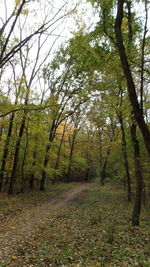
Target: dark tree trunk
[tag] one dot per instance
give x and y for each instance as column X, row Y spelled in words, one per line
column 125, row 157
column 70, row 156
column 16, row 157
column 1, row 129
column 43, row 178
column 5, row 151
column 138, row 114
column 59, row 150
column 103, row 172
column 23, row 163
column 138, row 176
column 100, row 150
column 31, row 181
column 46, row 159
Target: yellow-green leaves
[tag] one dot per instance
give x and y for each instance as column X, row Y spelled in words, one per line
column 17, row 2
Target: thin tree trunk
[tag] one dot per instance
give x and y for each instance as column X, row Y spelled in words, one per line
column 16, row 156
column 125, row 157
column 100, row 150
column 32, row 177
column 5, row 151
column 138, row 114
column 70, row 156
column 59, row 149
column 46, row 159
column 43, row 178
column 23, row 162
column 103, row 172
column 138, row 176
column 1, row 129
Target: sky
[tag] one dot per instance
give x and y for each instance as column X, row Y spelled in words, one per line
column 61, row 28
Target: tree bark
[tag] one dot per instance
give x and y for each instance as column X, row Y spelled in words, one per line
column 129, row 79
column 138, row 176
column 5, row 151
column 46, row 159
column 100, row 150
column 1, row 129
column 16, row 157
column 125, row 157
column 103, row 172
column 59, row 149
column 23, row 162
column 71, row 155
column 31, row 181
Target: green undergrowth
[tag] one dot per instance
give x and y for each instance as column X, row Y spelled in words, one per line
column 13, row 205
column 95, row 230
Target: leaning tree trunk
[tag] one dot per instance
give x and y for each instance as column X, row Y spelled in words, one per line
column 138, row 176
column 138, row 114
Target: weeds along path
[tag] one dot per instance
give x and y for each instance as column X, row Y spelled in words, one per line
column 14, row 230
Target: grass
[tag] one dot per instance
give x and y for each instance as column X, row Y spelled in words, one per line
column 94, row 231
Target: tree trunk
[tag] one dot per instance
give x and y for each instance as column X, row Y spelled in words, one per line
column 59, row 149
column 43, row 178
column 70, row 156
column 138, row 176
column 46, row 159
column 129, row 79
column 5, row 151
column 16, row 156
column 31, row 181
column 23, row 162
column 103, row 172
column 100, row 150
column 125, row 157
column 1, row 129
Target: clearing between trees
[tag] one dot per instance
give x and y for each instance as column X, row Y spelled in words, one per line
column 80, row 224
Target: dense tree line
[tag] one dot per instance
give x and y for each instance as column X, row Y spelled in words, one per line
column 80, row 112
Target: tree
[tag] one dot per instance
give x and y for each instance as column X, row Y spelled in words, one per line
column 65, row 95
column 138, row 113
column 18, row 52
column 20, row 9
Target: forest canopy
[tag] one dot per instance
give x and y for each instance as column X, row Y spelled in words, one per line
column 75, row 108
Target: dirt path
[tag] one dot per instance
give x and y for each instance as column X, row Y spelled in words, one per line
column 13, row 231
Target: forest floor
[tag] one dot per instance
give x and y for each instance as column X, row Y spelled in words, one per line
column 72, row 225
